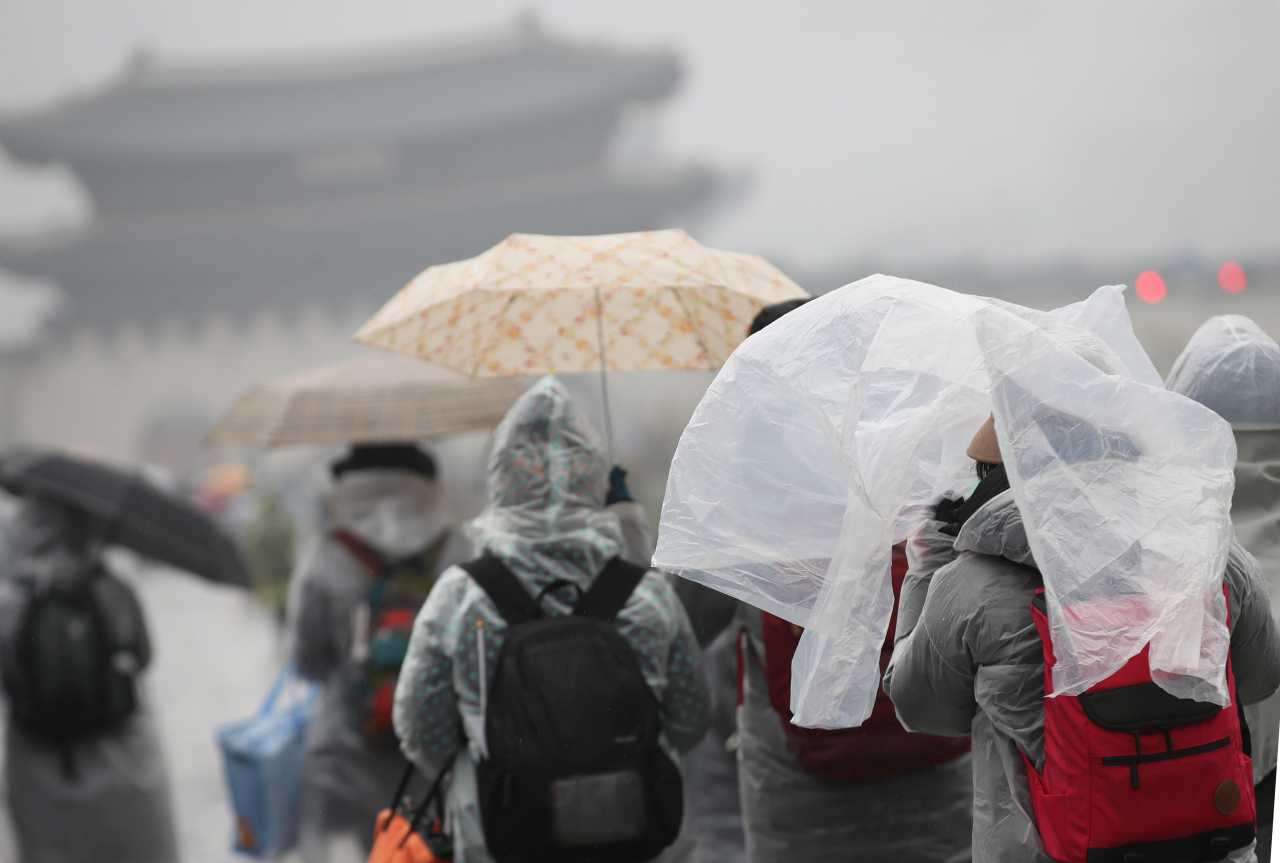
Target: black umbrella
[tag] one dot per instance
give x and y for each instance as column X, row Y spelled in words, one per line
column 137, row 515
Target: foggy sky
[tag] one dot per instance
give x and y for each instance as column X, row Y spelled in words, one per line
column 989, row 131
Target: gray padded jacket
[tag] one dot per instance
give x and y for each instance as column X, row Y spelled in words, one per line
column 968, row 660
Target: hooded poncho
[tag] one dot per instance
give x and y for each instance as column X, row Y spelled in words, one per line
column 545, row 520
column 122, row 778
column 1232, row 367
column 397, row 512
column 826, row 437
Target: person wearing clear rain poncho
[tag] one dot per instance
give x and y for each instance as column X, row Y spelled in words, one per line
column 972, row 661
column 1233, row 368
column 545, row 520
column 105, row 798
column 386, row 526
column 801, row 468
column 910, row 804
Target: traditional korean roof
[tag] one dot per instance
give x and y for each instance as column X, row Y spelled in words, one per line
column 236, row 262
column 160, row 111
column 231, row 189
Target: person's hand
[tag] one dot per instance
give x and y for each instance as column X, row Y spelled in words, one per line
column 618, row 490
column 947, row 508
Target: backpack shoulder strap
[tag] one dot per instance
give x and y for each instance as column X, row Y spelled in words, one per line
column 1039, row 602
column 514, row 602
column 610, row 591
column 373, row 561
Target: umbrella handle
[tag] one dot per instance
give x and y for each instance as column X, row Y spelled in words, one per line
column 604, row 380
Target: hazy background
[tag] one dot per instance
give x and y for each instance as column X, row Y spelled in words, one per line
column 993, row 131
column 1026, row 149
column 1020, row 148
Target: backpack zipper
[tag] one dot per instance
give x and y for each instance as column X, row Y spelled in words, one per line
column 1132, row 761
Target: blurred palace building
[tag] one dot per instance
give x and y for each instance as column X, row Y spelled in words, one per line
column 246, row 218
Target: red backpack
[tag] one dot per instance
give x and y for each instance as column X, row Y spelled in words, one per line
column 1133, row 774
column 880, row 746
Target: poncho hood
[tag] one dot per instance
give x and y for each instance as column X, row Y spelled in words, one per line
column 1233, row 368
column 398, row 512
column 547, row 484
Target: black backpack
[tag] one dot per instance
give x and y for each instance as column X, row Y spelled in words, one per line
column 574, row 772
column 70, row 674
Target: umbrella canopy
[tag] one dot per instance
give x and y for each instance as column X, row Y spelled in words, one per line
column 537, row 304
column 367, row 399
column 138, row 515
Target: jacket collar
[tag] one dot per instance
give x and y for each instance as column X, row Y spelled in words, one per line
column 997, row 529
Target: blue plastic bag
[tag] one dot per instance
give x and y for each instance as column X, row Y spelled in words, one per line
column 263, row 760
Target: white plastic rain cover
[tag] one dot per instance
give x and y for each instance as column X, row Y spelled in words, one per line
column 827, row 436
column 1233, row 368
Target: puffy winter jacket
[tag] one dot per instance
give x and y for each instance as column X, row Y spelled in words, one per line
column 969, row 661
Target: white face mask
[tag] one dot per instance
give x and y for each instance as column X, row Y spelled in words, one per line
column 395, row 511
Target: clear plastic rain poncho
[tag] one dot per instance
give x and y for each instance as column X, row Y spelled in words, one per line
column 1233, row 368
column 826, row 437
column 547, row 483
column 117, row 809
column 398, row 512
column 545, row 521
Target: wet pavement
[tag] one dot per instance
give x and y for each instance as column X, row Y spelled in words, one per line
column 217, row 652
column 711, row 782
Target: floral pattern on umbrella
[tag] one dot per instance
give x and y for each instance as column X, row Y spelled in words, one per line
column 532, row 305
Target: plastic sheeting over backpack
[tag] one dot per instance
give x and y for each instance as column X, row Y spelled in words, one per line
column 828, row 436
column 1233, row 368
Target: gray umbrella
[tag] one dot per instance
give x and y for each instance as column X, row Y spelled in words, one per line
column 137, row 515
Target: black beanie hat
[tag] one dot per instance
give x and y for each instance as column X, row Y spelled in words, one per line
column 386, row 456
column 769, row 314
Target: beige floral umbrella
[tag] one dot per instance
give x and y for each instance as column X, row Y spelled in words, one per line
column 372, row 398
column 536, row 304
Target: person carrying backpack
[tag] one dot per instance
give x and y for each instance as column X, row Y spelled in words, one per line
column 83, row 766
column 557, row 681
column 837, row 795
column 870, row 793
column 1071, row 777
column 1103, row 711
column 356, row 591
column 1233, row 368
